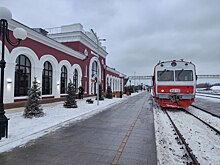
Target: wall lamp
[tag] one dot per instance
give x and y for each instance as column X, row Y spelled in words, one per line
column 9, row 81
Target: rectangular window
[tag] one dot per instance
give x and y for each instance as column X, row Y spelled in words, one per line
column 165, row 75
column 184, row 75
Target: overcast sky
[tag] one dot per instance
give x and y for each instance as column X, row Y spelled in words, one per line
column 139, row 33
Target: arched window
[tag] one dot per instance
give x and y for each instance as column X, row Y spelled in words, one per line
column 63, row 80
column 47, row 78
column 75, row 79
column 22, row 76
column 94, row 68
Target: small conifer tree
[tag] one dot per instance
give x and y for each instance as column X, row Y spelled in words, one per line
column 109, row 93
column 70, row 101
column 33, row 107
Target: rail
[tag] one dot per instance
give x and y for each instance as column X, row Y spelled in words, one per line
column 205, row 111
column 213, row 128
column 189, row 150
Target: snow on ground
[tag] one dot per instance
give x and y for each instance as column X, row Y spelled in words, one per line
column 205, row 144
column 22, row 130
column 213, row 121
column 212, row 90
column 215, row 88
column 203, row 141
column 169, row 150
column 209, row 98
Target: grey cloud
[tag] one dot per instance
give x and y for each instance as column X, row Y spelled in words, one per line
column 139, row 33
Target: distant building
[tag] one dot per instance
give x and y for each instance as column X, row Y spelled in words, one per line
column 55, row 56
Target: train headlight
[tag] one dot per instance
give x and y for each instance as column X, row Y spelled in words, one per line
column 162, row 90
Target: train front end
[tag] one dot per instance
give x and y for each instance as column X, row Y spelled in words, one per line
column 174, row 84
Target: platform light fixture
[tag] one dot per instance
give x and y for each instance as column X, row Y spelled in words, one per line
column 9, row 81
column 19, row 34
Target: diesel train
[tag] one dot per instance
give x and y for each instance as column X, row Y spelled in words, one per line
column 174, row 83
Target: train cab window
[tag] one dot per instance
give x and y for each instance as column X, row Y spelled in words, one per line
column 184, row 75
column 165, row 75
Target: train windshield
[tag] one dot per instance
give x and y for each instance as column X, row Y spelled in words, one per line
column 183, row 75
column 165, row 75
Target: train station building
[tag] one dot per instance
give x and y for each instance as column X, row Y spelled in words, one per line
column 55, row 56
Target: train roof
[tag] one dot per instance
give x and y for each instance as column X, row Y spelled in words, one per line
column 159, row 63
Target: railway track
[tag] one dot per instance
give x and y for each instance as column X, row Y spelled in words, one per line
column 188, row 149
column 209, row 96
column 194, row 106
column 204, row 122
column 183, row 139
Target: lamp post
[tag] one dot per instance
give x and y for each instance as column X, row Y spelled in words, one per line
column 19, row 34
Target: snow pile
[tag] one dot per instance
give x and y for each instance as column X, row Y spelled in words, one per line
column 215, row 89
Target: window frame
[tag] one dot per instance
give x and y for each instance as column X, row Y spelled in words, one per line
column 75, row 79
column 63, row 80
column 189, row 75
column 22, row 85
column 165, row 78
column 47, row 76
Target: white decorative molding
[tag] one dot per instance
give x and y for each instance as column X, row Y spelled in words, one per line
column 93, row 53
column 90, row 71
column 81, row 37
column 32, row 34
column 112, row 70
column 86, row 53
column 79, row 70
column 68, row 67
column 56, row 73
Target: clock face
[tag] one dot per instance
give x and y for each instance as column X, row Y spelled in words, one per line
column 85, row 52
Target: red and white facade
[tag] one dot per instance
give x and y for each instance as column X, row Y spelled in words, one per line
column 70, row 52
